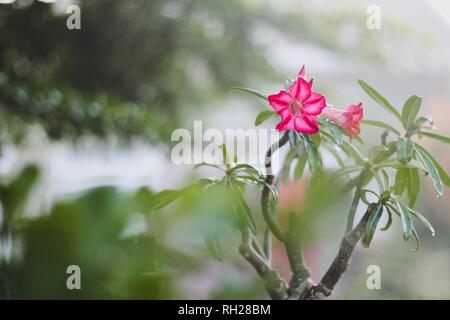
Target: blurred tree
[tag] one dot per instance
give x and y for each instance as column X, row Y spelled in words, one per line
column 136, row 68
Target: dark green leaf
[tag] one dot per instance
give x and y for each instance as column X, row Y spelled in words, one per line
column 389, row 222
column 371, row 225
column 406, row 219
column 379, row 99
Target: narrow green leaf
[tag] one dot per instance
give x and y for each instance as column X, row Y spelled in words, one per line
column 263, row 116
column 406, row 219
column 416, row 236
column 250, row 91
column 300, row 167
column 405, row 149
column 442, row 173
column 381, row 125
column 243, row 209
column 389, row 222
column 421, row 121
column 401, row 181
column 214, row 247
column 379, row 99
column 432, row 170
column 353, row 152
column 371, row 226
column 413, row 186
column 435, row 136
column 376, row 150
column 381, row 186
column 314, row 160
column 164, row 198
column 347, row 170
column 410, row 110
column 424, row 220
column 335, row 131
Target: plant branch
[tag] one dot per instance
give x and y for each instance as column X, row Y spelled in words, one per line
column 266, row 198
column 275, row 284
column 351, row 213
column 341, row 261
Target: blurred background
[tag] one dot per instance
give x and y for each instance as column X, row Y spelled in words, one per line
column 86, row 118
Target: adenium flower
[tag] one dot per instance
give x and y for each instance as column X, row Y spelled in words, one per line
column 347, row 119
column 299, row 107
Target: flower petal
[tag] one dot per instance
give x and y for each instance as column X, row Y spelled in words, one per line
column 279, row 101
column 305, row 124
column 314, row 104
column 302, row 72
column 287, row 122
column 300, row 89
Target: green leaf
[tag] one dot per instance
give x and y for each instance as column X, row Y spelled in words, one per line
column 432, row 170
column 406, row 219
column 214, row 247
column 243, row 210
column 314, row 160
column 405, row 149
column 335, row 131
column 442, row 173
column 347, row 170
column 413, row 186
column 381, row 186
column 401, row 181
column 263, row 116
column 435, row 136
column 376, row 150
column 424, row 220
column 371, row 226
column 379, row 99
column 164, row 198
column 389, row 222
column 410, row 110
column 300, row 167
column 250, row 91
column 381, row 125
column 204, row 164
column 421, row 121
column 353, row 152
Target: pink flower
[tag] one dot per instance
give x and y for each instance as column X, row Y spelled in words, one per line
column 348, row 119
column 299, row 107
